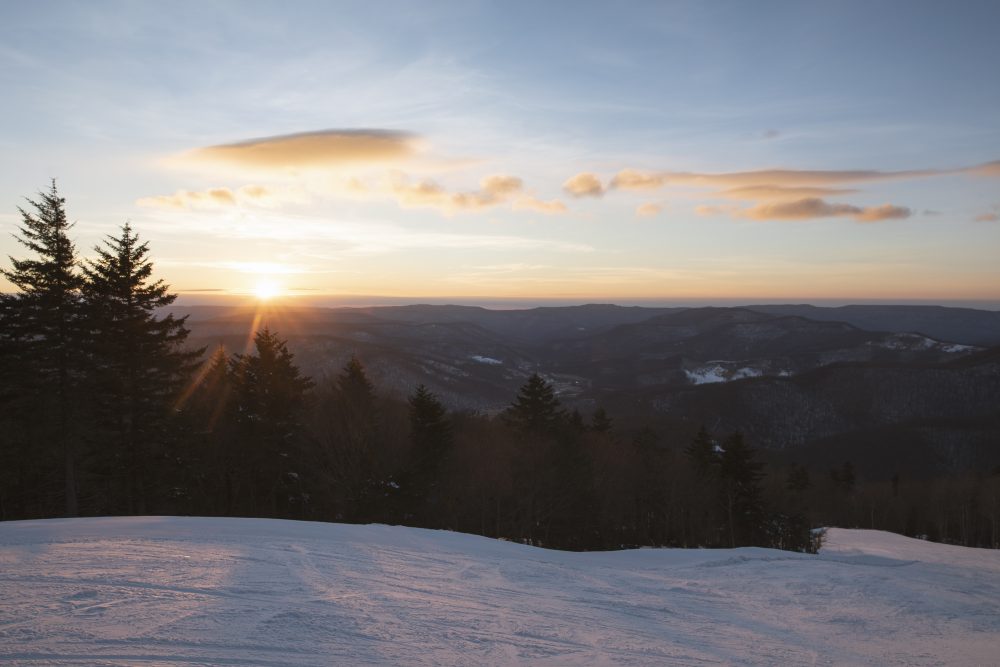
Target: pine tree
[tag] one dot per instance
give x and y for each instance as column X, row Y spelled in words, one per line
column 600, row 422
column 267, row 402
column 354, row 386
column 210, row 455
column 536, row 409
column 740, row 473
column 139, row 363
column 430, row 442
column 703, row 453
column 352, row 444
column 46, row 318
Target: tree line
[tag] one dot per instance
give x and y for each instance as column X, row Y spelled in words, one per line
column 106, row 409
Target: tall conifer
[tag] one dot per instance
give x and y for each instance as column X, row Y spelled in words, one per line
column 139, row 363
column 44, row 322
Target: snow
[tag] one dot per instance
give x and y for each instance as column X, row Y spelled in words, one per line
column 915, row 342
column 486, row 360
column 716, row 372
column 706, row 375
column 162, row 590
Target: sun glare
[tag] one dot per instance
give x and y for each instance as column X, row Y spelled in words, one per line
column 266, row 290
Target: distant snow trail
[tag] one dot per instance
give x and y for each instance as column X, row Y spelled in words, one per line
column 186, row 591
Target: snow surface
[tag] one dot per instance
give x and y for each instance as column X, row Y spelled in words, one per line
column 175, row 591
column 486, row 360
column 909, row 341
column 716, row 372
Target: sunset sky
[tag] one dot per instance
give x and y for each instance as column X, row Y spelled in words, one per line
column 575, row 151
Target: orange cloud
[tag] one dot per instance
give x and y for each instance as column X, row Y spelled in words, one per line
column 631, row 179
column 584, row 185
column 648, row 210
column 987, row 169
column 529, row 203
column 773, row 192
column 493, row 190
column 216, row 198
column 813, row 207
column 324, row 148
column 501, row 186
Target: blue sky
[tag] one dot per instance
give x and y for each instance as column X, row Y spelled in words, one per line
column 578, row 151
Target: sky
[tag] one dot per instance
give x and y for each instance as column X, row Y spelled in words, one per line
column 482, row 152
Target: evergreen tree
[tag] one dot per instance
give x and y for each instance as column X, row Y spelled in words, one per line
column 355, row 389
column 703, row 453
column 740, row 474
column 139, row 365
column 45, row 319
column 430, row 441
column 536, row 409
column 268, row 397
column 211, row 456
column 600, row 422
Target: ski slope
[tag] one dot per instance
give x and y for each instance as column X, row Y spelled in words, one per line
column 181, row 591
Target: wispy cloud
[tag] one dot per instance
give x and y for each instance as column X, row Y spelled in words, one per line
column 993, row 215
column 786, row 194
column 632, row 179
column 222, row 197
column 808, row 209
column 530, row 203
column 648, row 210
column 494, row 190
column 989, row 169
column 779, row 192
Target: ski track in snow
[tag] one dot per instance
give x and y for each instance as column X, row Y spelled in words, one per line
column 197, row 591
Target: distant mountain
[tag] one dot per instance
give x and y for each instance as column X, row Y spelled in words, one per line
column 707, row 345
column 913, row 416
column 958, row 325
column 817, row 386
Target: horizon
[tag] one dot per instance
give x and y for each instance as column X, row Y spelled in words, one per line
column 494, row 303
column 671, row 153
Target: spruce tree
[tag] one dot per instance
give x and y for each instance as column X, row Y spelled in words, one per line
column 536, row 409
column 600, row 421
column 703, row 453
column 740, row 474
column 139, row 364
column 44, row 321
column 267, row 402
column 430, row 442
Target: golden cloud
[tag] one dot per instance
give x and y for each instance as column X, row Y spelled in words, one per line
column 778, row 192
column 584, row 185
column 648, row 210
column 631, row 179
column 529, row 203
column 988, row 169
column 987, row 217
column 813, row 207
column 493, row 190
column 502, row 186
column 217, row 198
column 324, row 148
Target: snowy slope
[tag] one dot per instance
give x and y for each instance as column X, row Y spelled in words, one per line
column 172, row 591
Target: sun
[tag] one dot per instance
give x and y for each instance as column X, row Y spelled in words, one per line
column 266, row 289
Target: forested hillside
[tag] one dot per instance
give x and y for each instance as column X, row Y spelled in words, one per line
column 107, row 408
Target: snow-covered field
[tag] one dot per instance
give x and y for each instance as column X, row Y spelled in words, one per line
column 173, row 591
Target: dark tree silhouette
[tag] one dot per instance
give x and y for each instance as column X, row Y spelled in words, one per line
column 266, row 408
column 740, row 473
column 138, row 364
column 430, row 442
column 536, row 409
column 45, row 324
